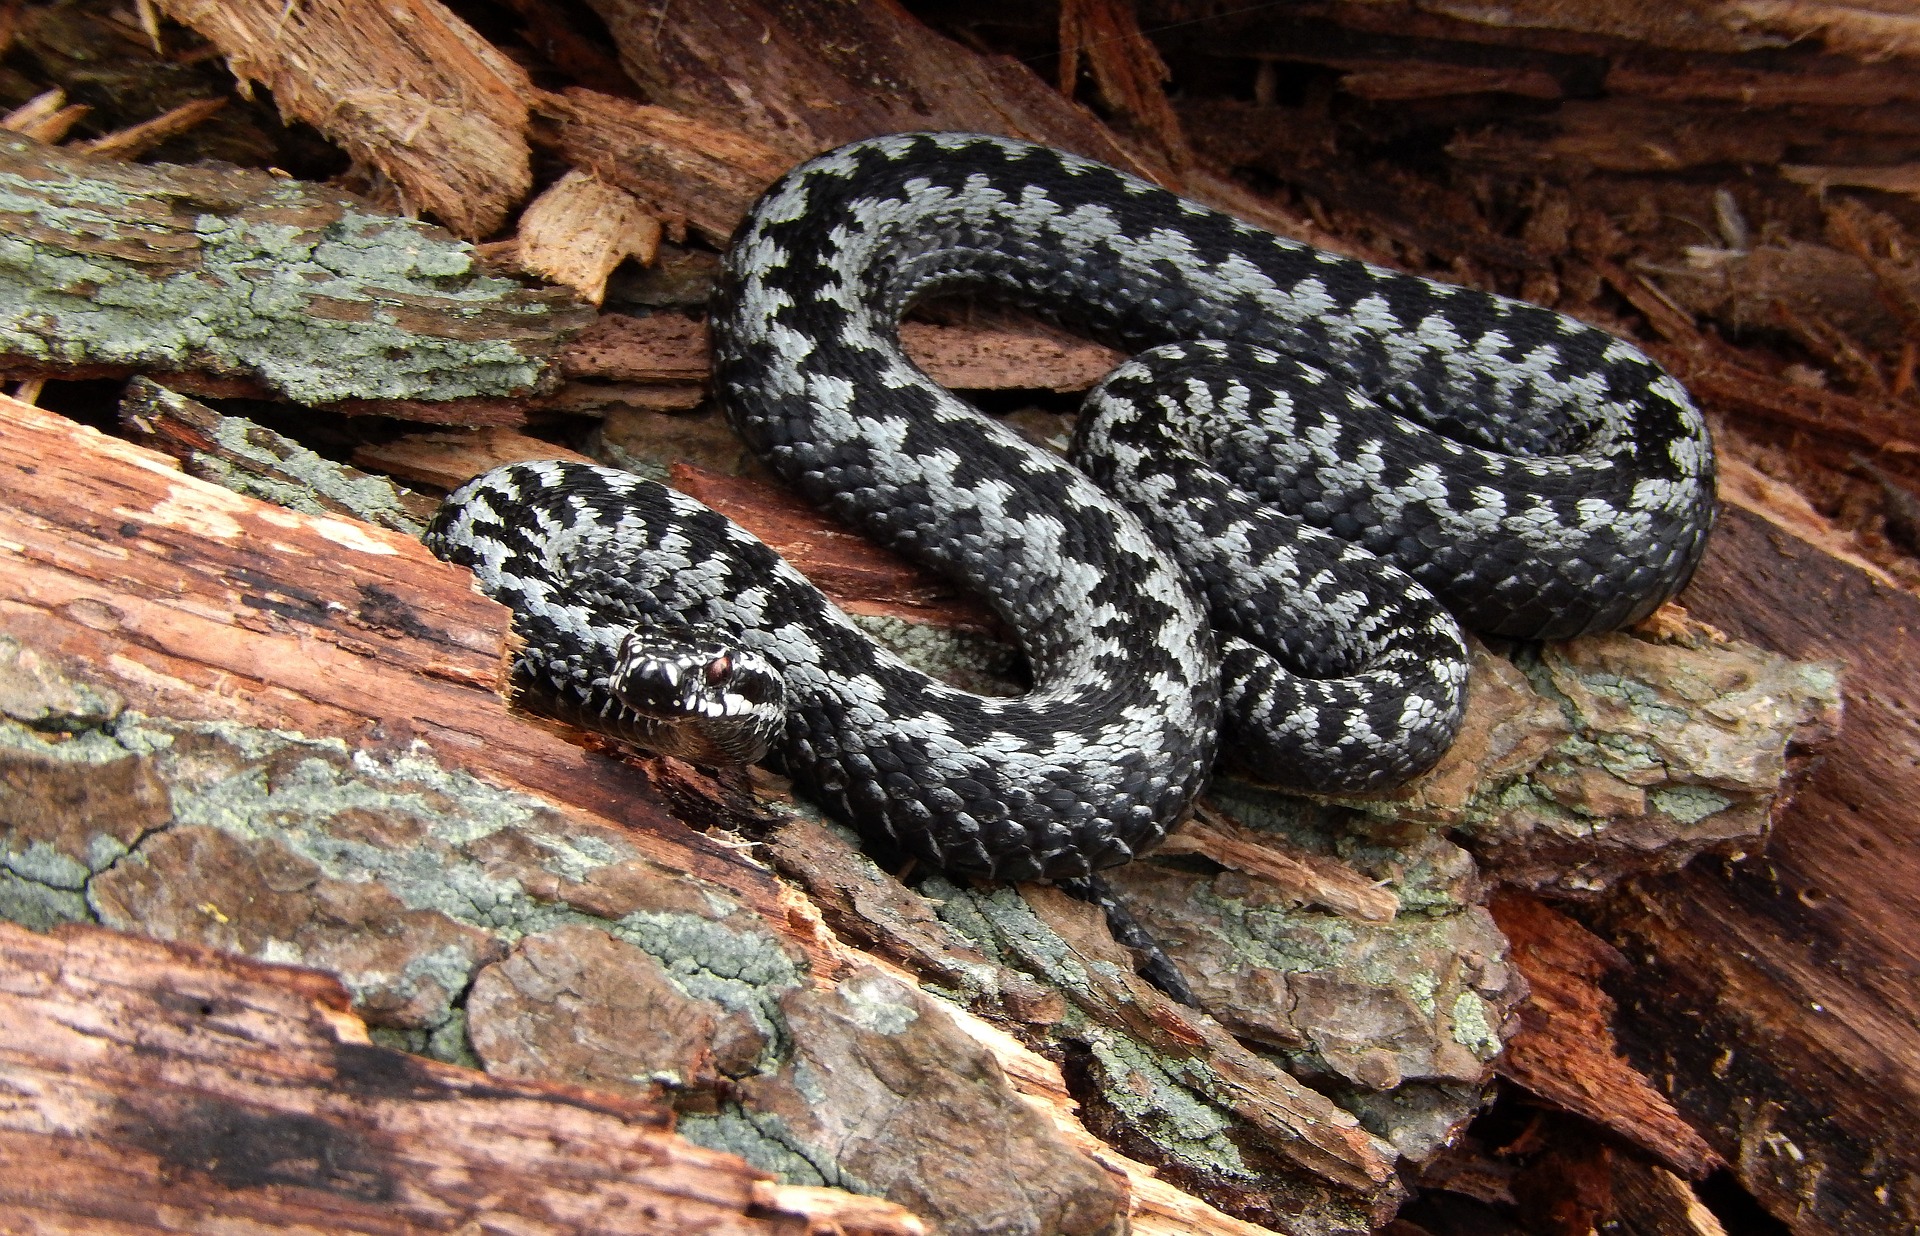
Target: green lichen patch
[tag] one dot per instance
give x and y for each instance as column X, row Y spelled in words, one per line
column 243, row 273
column 253, row 460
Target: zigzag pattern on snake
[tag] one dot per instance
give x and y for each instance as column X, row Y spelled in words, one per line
column 1300, row 432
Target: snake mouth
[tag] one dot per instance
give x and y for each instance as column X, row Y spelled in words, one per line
column 695, row 693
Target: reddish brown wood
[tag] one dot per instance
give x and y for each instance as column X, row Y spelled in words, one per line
column 1564, row 1051
column 204, row 604
column 827, row 74
column 672, row 348
column 1776, row 999
column 162, row 1088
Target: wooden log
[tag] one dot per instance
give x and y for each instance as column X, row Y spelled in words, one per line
column 224, row 608
column 1767, row 997
column 250, row 459
column 671, row 348
column 160, row 1088
column 340, row 680
column 693, row 173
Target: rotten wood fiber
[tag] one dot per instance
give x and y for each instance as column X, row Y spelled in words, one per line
column 824, row 76
column 1564, row 1051
column 1773, row 997
column 163, row 1088
column 408, row 89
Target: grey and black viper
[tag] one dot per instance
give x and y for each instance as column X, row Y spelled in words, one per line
column 1292, row 423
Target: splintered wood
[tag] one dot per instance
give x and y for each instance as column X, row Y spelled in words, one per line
column 406, row 87
column 157, row 1088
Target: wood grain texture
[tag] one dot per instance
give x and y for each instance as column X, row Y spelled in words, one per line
column 161, row 1088
column 406, row 87
column 1776, row 998
column 207, row 605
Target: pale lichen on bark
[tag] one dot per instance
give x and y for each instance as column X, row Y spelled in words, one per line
column 240, row 273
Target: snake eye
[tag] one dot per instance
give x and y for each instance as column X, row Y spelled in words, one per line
column 718, row 668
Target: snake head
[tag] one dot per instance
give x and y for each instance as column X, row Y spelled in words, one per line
column 699, row 696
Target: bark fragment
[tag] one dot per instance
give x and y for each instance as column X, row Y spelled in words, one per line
column 109, row 267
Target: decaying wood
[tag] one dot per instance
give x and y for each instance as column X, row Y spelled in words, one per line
column 47, row 117
column 137, row 139
column 1126, row 70
column 671, row 348
column 576, row 232
column 407, row 87
column 161, row 1088
column 448, row 459
column 1565, row 1052
column 112, row 268
column 1766, row 996
column 118, row 562
column 691, row 173
column 1310, row 878
column 319, row 626
column 1639, row 90
column 1305, row 1013
column 816, row 71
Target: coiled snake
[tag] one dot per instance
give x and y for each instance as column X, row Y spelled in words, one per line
column 1293, row 423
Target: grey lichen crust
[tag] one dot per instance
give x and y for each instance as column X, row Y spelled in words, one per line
column 104, row 263
column 1602, row 757
column 488, row 927
column 254, row 460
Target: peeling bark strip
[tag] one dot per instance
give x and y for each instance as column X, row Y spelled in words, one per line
column 107, row 267
column 161, row 1088
column 404, row 86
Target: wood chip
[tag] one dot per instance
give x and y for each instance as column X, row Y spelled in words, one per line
column 137, row 139
column 46, row 117
column 580, row 229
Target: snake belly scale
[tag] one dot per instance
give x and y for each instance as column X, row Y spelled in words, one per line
column 1320, row 449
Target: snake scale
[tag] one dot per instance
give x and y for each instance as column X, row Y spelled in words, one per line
column 1278, row 507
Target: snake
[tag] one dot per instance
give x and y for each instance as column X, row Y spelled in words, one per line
column 1276, row 517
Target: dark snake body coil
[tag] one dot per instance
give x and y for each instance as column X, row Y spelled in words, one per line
column 1300, row 431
